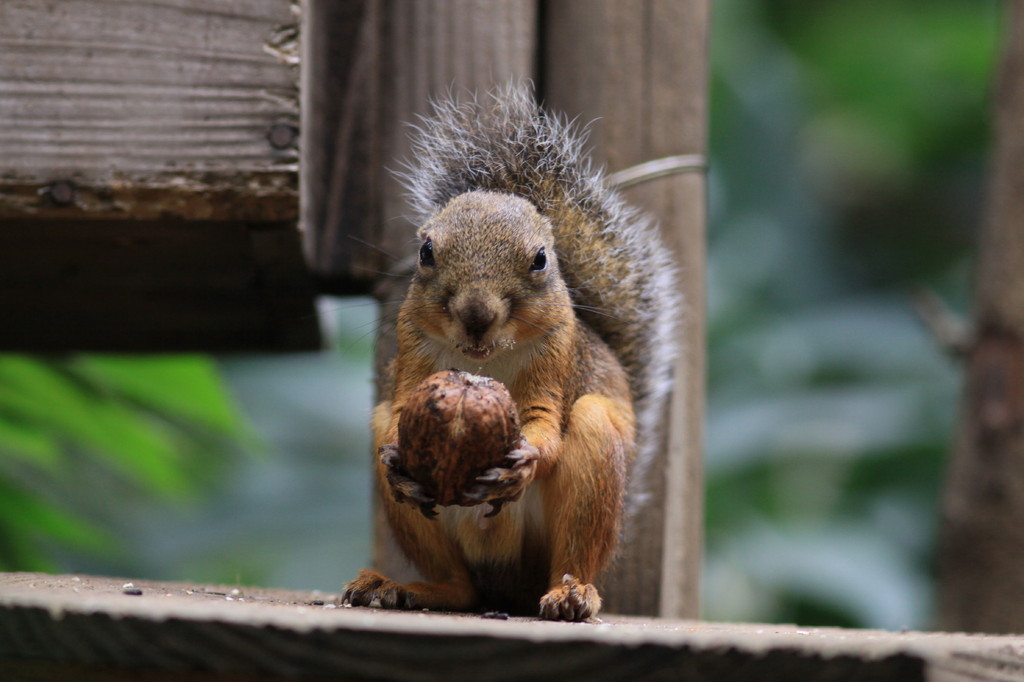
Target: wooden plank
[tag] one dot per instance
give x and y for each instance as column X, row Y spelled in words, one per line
column 258, row 196
column 181, row 96
column 639, row 72
column 81, row 627
column 172, row 126
column 284, row 287
column 146, row 286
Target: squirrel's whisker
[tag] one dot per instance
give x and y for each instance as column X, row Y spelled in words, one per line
column 525, row 321
column 576, row 306
column 375, row 247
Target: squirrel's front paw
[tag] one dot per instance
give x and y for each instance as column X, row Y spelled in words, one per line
column 506, row 483
column 403, row 487
column 572, row 600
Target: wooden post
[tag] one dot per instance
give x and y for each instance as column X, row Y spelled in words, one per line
column 436, row 47
column 342, row 138
column 640, row 68
column 639, row 71
column 981, row 581
column 371, row 68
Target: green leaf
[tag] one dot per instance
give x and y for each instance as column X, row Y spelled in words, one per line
column 28, row 444
column 36, row 395
column 30, row 517
column 140, row 449
column 185, row 386
column 19, row 553
column 31, row 384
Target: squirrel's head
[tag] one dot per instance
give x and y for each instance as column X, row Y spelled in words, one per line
column 487, row 279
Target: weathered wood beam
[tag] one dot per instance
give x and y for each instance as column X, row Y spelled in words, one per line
column 139, row 105
column 259, row 197
column 341, row 203
column 87, row 628
column 148, row 177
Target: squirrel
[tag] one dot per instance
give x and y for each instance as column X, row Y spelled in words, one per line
column 530, row 271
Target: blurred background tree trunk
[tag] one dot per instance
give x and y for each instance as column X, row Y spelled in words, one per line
column 981, row 562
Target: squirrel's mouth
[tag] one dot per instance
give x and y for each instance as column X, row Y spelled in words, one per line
column 480, row 352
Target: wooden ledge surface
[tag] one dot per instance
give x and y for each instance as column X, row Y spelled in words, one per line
column 99, row 628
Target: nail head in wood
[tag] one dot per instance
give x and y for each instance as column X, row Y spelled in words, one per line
column 282, row 135
column 61, row 192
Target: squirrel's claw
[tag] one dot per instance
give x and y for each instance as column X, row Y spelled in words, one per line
column 404, row 488
column 503, row 484
column 571, row 600
column 491, row 476
column 370, row 586
column 522, row 454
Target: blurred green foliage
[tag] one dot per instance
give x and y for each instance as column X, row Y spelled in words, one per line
column 156, row 427
column 848, row 146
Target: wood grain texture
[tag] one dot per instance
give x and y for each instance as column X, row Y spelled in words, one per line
column 638, row 71
column 110, row 94
column 440, row 47
column 258, row 196
column 342, row 129
column 981, row 584
column 82, row 627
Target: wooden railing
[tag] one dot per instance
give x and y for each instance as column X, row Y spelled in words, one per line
column 90, row 629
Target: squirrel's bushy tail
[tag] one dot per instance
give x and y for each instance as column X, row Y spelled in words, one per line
column 620, row 274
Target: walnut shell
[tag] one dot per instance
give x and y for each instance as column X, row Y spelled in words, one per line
column 455, row 426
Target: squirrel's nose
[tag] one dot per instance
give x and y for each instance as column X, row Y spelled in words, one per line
column 477, row 317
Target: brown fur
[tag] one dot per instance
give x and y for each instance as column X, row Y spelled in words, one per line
column 481, row 307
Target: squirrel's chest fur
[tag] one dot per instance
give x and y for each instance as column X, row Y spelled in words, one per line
column 500, row 538
column 508, row 556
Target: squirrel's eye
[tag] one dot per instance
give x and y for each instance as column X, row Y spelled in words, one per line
column 427, row 254
column 540, row 261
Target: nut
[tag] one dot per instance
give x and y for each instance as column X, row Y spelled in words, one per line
column 454, row 427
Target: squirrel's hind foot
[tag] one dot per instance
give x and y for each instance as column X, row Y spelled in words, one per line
column 572, row 600
column 372, row 589
column 370, row 586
